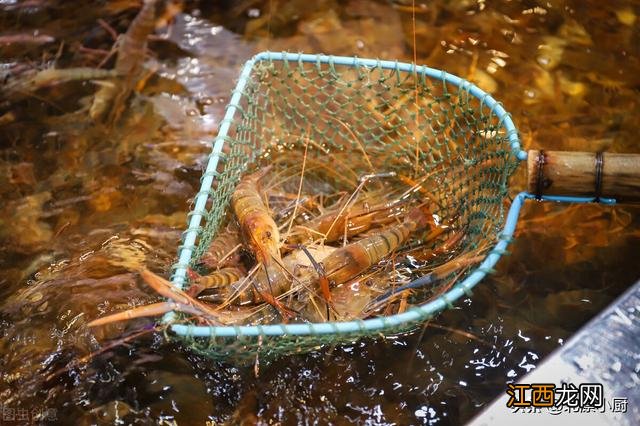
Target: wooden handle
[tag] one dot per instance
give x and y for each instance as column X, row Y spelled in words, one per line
column 605, row 175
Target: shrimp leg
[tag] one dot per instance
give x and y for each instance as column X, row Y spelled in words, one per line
column 322, row 276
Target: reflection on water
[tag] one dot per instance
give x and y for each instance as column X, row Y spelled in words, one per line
column 84, row 205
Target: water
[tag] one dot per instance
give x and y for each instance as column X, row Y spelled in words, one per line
column 83, row 205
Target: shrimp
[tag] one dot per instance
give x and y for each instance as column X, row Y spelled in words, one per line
column 608, row 85
column 338, row 223
column 52, row 76
column 361, row 297
column 262, row 235
column 348, row 300
column 223, row 250
column 131, row 50
column 257, row 227
column 342, row 264
column 259, row 285
column 259, row 230
column 243, row 291
column 350, row 220
column 179, row 301
column 219, row 279
column 351, row 260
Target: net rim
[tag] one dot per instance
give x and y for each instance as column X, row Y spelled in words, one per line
column 414, row 314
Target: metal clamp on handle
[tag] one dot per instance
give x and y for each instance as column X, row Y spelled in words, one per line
column 599, row 171
column 541, row 181
column 584, row 174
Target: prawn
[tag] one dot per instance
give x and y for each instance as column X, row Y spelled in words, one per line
column 352, row 259
column 257, row 227
column 52, row 76
column 242, row 291
column 223, row 250
column 262, row 235
column 337, row 223
column 218, row 279
column 360, row 298
column 348, row 221
column 344, row 264
column 131, row 50
column 335, row 266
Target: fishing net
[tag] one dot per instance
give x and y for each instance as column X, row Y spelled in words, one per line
column 387, row 117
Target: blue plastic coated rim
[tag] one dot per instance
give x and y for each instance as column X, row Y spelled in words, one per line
column 414, row 314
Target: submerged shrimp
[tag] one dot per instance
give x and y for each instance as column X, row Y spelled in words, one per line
column 343, row 264
column 363, row 296
column 607, row 84
column 110, row 99
column 52, row 76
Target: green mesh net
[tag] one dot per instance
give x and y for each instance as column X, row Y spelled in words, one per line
column 386, row 117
